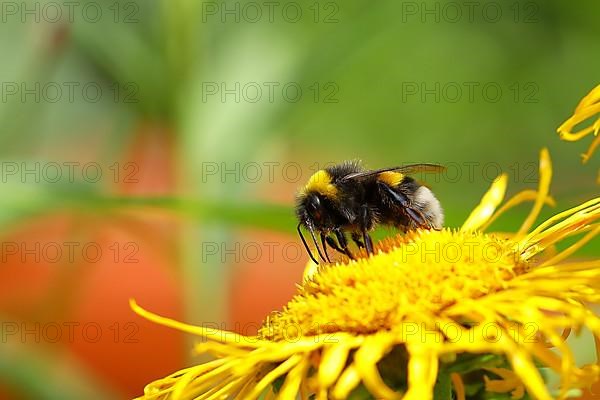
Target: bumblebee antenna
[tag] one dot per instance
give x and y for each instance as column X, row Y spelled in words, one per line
column 306, row 244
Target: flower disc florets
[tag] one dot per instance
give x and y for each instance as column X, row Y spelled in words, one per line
column 420, row 272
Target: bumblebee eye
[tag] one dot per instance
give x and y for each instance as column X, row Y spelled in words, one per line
column 314, row 203
column 314, row 207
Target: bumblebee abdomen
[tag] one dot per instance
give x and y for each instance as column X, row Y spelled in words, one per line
column 430, row 207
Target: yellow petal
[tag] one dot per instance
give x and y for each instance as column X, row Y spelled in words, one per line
column 553, row 229
column 573, row 248
column 543, row 189
column 366, row 359
column 275, row 373
column 491, row 199
column 347, row 382
column 223, row 390
column 525, row 195
column 332, row 363
column 595, row 143
column 529, row 374
column 422, row 371
column 209, row 333
column 586, row 108
column 291, row 386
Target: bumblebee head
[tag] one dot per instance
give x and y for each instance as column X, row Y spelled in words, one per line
column 314, row 200
column 310, row 213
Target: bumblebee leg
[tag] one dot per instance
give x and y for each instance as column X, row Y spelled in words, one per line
column 312, row 235
column 365, row 235
column 331, row 242
column 414, row 214
column 343, row 243
column 306, row 245
column 368, row 242
column 427, row 223
column 323, row 242
column 357, row 239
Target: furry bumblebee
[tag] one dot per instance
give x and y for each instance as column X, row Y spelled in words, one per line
column 346, row 198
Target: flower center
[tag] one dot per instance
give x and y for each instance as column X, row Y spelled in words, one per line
column 420, row 273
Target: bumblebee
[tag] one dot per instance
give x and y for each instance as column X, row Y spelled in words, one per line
column 346, row 198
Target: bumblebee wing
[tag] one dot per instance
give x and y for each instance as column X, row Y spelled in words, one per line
column 405, row 169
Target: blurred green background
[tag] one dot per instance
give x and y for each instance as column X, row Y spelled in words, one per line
column 172, row 135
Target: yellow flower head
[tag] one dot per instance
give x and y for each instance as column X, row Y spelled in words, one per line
column 430, row 313
column 414, row 277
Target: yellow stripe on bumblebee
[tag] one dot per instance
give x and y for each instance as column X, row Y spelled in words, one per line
column 391, row 178
column 320, row 182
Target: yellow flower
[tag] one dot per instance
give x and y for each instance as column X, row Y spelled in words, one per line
column 588, row 107
column 430, row 313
